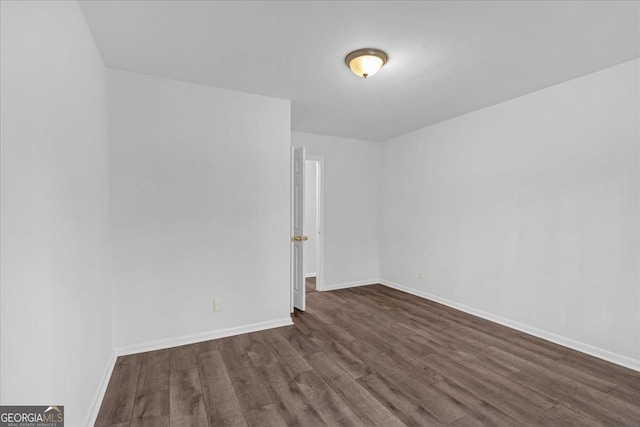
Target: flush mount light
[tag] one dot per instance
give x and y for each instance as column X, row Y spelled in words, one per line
column 366, row 62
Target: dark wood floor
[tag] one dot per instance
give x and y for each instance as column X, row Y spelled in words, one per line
column 372, row 356
column 310, row 284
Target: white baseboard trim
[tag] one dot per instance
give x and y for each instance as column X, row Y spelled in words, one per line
column 306, row 276
column 609, row 356
column 203, row 336
column 102, row 389
column 349, row 285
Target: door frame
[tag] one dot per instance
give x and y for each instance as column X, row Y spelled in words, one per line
column 320, row 248
column 320, row 217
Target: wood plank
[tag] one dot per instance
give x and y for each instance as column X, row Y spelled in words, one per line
column 403, row 405
column 517, row 391
column 257, row 350
column 320, row 311
column 183, row 357
column 150, row 422
column 626, row 394
column 333, row 410
column 477, row 409
column 578, row 397
column 416, row 308
column 445, row 338
column 514, row 337
column 468, row 421
column 152, row 405
column 367, row 407
column 119, row 399
column 556, row 366
column 399, row 310
column 267, row 416
column 187, row 421
column 511, row 398
column 298, row 340
column 347, row 360
column 401, row 339
column 603, row 369
column 186, row 401
column 154, row 372
column 570, row 418
column 411, row 377
column 290, row 359
column 408, row 378
column 495, row 365
column 221, row 402
column 205, row 346
column 585, row 378
column 597, row 404
column 380, row 354
column 251, row 392
column 291, row 403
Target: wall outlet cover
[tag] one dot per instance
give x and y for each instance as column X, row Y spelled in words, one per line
column 217, row 305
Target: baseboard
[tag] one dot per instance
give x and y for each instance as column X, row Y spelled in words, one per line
column 306, row 276
column 102, row 389
column 349, row 285
column 609, row 356
column 203, row 336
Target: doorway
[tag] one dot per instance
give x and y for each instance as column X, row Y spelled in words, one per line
column 307, row 226
column 311, row 258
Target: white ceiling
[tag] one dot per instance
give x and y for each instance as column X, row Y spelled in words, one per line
column 445, row 58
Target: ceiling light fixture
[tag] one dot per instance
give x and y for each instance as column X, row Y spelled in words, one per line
column 366, row 62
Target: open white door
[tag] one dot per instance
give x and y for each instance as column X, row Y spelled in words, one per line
column 297, row 239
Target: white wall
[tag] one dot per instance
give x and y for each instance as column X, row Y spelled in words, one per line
column 527, row 210
column 351, row 206
column 199, row 208
column 310, row 258
column 56, row 332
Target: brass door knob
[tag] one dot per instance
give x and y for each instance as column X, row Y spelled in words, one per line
column 299, row 238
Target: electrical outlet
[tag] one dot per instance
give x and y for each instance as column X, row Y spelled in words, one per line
column 217, row 305
column 420, row 274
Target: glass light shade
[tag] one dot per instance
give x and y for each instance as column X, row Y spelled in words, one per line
column 366, row 62
column 366, row 65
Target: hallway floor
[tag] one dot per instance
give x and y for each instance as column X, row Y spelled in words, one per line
column 310, row 283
